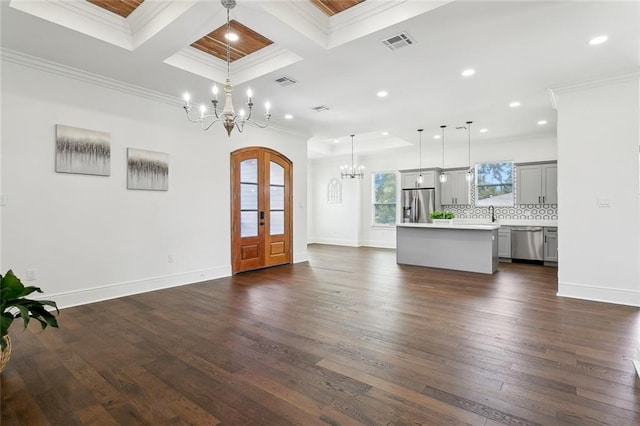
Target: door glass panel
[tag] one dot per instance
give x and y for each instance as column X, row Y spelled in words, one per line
column 249, row 224
column 276, row 223
column 248, row 196
column 277, row 197
column 249, row 171
column 276, row 174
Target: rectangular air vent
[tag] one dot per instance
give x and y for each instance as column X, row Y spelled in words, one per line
column 285, row 81
column 398, row 41
column 321, row 108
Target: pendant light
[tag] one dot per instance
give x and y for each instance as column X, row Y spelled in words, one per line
column 443, row 176
column 470, row 171
column 352, row 171
column 420, row 179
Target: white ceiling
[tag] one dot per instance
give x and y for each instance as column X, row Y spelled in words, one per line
column 518, row 49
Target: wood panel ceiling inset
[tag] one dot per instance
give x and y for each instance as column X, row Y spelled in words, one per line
column 119, row 7
column 333, row 7
column 248, row 42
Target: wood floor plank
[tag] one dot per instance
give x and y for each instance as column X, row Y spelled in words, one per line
column 348, row 338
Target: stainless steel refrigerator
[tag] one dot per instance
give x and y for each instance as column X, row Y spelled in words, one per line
column 417, row 204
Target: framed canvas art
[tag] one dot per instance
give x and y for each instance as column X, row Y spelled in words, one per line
column 147, row 170
column 82, row 151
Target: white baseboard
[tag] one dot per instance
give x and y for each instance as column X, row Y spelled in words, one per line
column 337, row 242
column 112, row 291
column 300, row 257
column 380, row 244
column 599, row 294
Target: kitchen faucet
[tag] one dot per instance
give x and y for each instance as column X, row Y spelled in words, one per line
column 492, row 210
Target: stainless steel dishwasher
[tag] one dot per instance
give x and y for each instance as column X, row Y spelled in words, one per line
column 527, row 243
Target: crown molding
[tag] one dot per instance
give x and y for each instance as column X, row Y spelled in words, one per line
column 85, row 76
column 607, row 80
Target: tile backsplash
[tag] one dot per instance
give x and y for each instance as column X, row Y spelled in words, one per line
column 518, row 211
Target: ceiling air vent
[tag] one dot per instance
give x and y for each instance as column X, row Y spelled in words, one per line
column 285, row 81
column 398, row 41
column 321, row 108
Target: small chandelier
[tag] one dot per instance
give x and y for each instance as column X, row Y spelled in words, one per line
column 352, row 171
column 229, row 118
column 443, row 176
column 470, row 171
column 420, row 179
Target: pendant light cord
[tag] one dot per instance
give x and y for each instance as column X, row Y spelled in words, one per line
column 469, row 143
column 353, row 167
column 443, row 127
column 420, row 133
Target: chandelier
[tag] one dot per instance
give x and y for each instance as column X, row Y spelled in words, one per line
column 352, row 171
column 229, row 118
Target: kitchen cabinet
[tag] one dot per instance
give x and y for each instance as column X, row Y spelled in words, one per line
column 504, row 242
column 550, row 244
column 409, row 179
column 456, row 189
column 537, row 183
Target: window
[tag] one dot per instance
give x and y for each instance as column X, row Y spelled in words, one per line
column 494, row 184
column 384, row 198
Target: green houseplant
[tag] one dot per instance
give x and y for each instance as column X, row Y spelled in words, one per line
column 14, row 304
column 441, row 215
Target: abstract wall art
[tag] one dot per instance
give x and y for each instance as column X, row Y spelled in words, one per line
column 147, row 170
column 82, row 151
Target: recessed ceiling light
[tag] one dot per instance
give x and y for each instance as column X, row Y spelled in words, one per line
column 231, row 36
column 468, row 72
column 382, row 93
column 484, row 130
column 542, row 122
column 336, row 141
column 514, row 104
column 288, row 116
column 436, row 136
column 598, row 40
column 385, row 133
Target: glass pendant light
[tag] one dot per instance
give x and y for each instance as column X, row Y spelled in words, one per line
column 420, row 179
column 443, row 176
column 470, row 171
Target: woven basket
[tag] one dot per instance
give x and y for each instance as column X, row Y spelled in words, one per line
column 5, row 354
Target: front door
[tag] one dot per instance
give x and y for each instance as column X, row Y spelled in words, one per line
column 260, row 209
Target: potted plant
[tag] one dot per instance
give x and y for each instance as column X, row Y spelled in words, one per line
column 14, row 304
column 441, row 217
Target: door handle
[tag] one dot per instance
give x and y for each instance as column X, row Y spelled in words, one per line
column 262, row 218
column 538, row 199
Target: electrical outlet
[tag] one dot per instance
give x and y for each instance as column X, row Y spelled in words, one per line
column 170, row 258
column 31, row 275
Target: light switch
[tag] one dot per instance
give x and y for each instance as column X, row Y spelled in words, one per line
column 604, row 202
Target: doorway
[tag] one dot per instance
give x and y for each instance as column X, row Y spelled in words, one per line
column 261, row 229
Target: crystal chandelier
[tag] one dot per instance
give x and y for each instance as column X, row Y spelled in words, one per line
column 352, row 171
column 228, row 116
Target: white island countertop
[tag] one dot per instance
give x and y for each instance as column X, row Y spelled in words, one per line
column 454, row 225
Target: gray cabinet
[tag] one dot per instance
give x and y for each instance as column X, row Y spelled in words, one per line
column 550, row 244
column 456, row 189
column 409, row 179
column 537, row 183
column 504, row 242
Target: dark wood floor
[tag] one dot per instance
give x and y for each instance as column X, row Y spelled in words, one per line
column 349, row 338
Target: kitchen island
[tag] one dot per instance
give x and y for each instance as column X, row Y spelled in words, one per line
column 462, row 247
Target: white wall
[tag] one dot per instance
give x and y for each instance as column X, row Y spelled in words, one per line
column 598, row 137
column 88, row 237
column 334, row 224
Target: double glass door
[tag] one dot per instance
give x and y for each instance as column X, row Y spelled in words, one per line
column 260, row 209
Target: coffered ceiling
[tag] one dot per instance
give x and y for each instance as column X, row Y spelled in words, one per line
column 338, row 63
column 119, row 7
